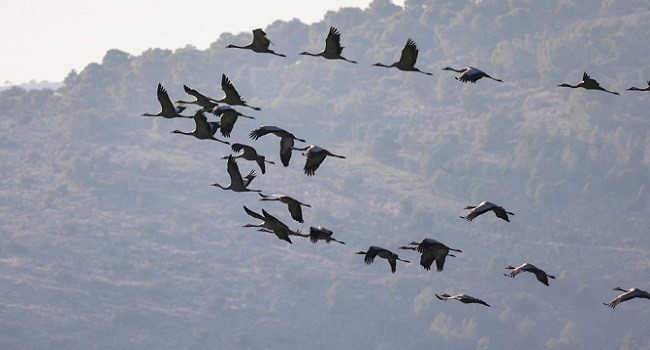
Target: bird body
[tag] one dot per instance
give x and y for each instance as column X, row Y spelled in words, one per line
column 203, row 129
column 588, row 83
column 333, row 48
column 526, row 267
column 228, row 118
column 249, row 153
column 286, row 140
column 167, row 109
column 315, row 156
column 628, row 295
column 321, row 233
column 646, row 89
column 237, row 183
column 206, row 103
column 470, row 74
column 260, row 44
column 232, row 97
column 484, row 207
column 295, row 206
column 407, row 60
column 431, row 250
column 374, row 251
column 463, row 298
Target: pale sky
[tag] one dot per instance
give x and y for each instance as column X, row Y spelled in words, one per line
column 45, row 40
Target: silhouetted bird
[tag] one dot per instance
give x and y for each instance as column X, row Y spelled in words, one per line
column 249, row 153
column 237, row 183
column 407, row 59
column 228, row 117
column 589, row 84
column 628, row 295
column 323, row 234
column 431, row 250
column 167, row 109
column 470, row 74
column 484, row 207
column 260, row 44
column 315, row 156
column 463, row 298
column 374, row 251
column 205, row 102
column 295, row 206
column 526, row 267
column 203, row 129
column 232, row 96
column 333, row 47
column 647, row 88
column 286, row 140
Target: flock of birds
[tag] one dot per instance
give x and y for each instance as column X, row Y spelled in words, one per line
column 430, row 250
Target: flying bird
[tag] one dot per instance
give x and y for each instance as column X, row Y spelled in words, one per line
column 463, row 298
column 167, row 109
column 249, row 153
column 286, row 140
column 628, row 295
column 431, row 250
column 315, row 156
column 484, row 207
column 374, row 251
column 260, row 43
column 228, row 116
column 407, row 60
column 589, row 84
column 647, row 88
column 471, row 74
column 232, row 96
column 271, row 224
column 206, row 103
column 237, row 183
column 295, row 206
column 321, row 233
column 333, row 47
column 526, row 267
column 203, row 129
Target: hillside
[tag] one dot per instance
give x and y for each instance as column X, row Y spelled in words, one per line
column 112, row 236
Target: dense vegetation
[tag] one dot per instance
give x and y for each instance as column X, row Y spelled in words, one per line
column 111, row 234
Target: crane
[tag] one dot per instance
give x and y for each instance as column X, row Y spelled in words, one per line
column 295, row 206
column 374, row 251
column 203, row 129
column 333, row 47
column 232, row 97
column 407, row 59
column 249, row 153
column 260, row 44
column 271, row 224
column 321, row 233
column 484, row 207
column 526, row 267
column 471, row 74
column 431, row 250
column 286, row 140
column 463, row 298
column 589, row 84
column 315, row 156
column 628, row 295
column 228, row 116
column 206, row 103
column 237, row 183
column 167, row 109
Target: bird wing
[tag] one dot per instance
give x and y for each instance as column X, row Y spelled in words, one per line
column 393, row 265
column 314, row 159
column 201, row 122
column 426, row 259
column 440, row 255
column 333, row 42
column 229, row 89
column 228, row 119
column 235, row 175
column 286, row 149
column 238, row 147
column 541, row 275
column 259, row 38
column 295, row 209
column 253, row 214
column 165, row 103
column 409, row 54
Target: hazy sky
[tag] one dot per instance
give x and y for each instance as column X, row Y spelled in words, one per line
column 44, row 40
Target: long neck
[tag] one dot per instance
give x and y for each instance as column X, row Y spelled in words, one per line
column 456, row 70
column 312, row 54
column 182, row 132
column 237, row 47
column 385, row 66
